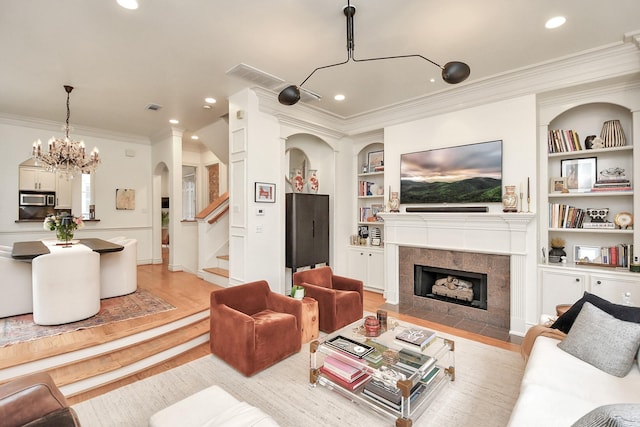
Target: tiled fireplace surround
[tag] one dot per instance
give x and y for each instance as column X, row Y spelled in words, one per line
column 462, row 241
column 493, row 322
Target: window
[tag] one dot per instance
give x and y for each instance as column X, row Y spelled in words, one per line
column 87, row 205
column 188, row 193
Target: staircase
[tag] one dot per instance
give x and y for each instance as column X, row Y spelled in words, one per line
column 87, row 359
column 213, row 242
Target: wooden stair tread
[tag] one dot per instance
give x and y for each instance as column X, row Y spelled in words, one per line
column 111, row 361
column 219, row 271
column 224, row 257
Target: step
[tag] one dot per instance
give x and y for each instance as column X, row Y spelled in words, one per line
column 216, row 275
column 112, row 361
column 223, row 261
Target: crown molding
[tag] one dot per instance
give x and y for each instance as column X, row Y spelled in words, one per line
column 57, row 127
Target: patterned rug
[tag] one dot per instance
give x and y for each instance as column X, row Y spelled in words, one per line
column 21, row 328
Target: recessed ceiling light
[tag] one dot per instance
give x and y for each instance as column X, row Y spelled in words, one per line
column 129, row 4
column 432, row 80
column 207, row 107
column 555, row 22
column 174, row 121
column 339, row 97
column 210, row 100
column 195, row 137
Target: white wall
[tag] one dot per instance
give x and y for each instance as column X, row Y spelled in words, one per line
column 513, row 121
column 116, row 171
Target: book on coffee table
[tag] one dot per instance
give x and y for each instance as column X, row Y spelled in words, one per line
column 416, row 336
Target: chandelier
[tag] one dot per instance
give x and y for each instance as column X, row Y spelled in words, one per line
column 453, row 72
column 66, row 156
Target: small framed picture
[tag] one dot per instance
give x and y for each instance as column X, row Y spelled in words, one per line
column 375, row 161
column 587, row 254
column 558, row 185
column 580, row 174
column 375, row 241
column 265, row 192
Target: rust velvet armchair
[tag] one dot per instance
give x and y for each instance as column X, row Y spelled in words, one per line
column 252, row 327
column 339, row 298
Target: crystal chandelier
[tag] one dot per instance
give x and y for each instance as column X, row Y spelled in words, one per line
column 66, row 156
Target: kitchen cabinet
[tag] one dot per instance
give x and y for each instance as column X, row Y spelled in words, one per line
column 367, row 264
column 36, row 179
column 63, row 192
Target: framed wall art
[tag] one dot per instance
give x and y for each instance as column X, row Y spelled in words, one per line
column 265, row 192
column 558, row 184
column 125, row 199
column 580, row 174
column 375, row 161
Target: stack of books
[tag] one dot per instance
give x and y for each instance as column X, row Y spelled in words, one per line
column 417, row 337
column 612, row 185
column 563, row 140
column 389, row 396
column 343, row 374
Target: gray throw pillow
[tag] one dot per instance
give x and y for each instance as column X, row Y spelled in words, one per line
column 617, row 415
column 603, row 341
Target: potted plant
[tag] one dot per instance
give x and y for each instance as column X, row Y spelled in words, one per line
column 557, row 250
column 297, row 292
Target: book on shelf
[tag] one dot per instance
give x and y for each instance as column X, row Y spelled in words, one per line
column 342, row 369
column 365, row 188
column 611, row 188
column 565, row 216
column 563, row 140
column 611, row 256
column 416, row 336
column 349, row 385
column 431, row 375
column 412, row 360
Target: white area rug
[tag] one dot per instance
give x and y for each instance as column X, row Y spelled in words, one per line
column 483, row 394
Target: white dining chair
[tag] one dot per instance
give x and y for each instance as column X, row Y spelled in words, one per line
column 66, row 285
column 15, row 286
column 119, row 270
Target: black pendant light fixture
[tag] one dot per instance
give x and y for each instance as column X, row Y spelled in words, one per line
column 453, row 72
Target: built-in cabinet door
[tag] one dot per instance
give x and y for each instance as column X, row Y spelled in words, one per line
column 367, row 264
column 616, row 289
column 559, row 287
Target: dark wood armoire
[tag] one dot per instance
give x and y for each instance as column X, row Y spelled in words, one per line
column 307, row 229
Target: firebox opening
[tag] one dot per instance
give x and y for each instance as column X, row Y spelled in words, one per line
column 458, row 287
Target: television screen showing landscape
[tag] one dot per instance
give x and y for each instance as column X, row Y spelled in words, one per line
column 464, row 174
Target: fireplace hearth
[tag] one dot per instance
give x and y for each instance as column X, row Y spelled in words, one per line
column 465, row 288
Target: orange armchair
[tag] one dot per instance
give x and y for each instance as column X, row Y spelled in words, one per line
column 340, row 299
column 252, row 327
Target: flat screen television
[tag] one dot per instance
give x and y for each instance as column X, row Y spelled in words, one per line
column 464, row 174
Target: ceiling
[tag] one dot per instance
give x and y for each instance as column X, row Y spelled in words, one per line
column 177, row 52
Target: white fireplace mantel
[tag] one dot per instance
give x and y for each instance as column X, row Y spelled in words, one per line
column 493, row 233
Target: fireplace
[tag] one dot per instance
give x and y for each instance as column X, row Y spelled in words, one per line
column 465, row 288
column 479, row 297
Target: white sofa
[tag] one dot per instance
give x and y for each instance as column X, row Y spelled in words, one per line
column 558, row 388
column 211, row 407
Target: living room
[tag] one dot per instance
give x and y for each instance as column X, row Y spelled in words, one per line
column 514, row 106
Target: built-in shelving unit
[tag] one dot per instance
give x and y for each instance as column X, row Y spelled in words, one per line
column 584, row 114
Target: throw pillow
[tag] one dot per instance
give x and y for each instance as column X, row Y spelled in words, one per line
column 622, row 312
column 616, row 415
column 603, row 341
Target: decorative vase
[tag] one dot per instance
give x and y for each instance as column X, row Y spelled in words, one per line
column 64, row 233
column 313, row 183
column 509, row 199
column 556, row 254
column 394, row 202
column 297, row 182
column 298, row 294
column 612, row 134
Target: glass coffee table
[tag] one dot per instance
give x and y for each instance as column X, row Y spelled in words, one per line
column 383, row 373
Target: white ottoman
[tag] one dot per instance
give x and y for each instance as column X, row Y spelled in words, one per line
column 211, row 407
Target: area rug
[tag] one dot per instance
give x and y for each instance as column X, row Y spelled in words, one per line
column 21, row 328
column 483, row 394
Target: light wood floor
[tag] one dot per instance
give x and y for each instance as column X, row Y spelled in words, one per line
column 191, row 294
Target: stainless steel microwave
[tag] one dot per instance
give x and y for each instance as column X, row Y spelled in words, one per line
column 37, row 199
